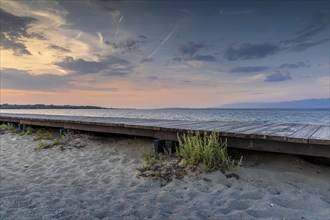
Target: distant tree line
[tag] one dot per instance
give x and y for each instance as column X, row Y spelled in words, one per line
column 42, row 106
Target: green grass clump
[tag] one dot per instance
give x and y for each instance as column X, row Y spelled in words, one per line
column 28, row 131
column 152, row 158
column 8, row 127
column 207, row 149
column 41, row 146
column 43, row 134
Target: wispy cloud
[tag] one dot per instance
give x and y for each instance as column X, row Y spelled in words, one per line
column 302, row 64
column 249, row 69
column 315, row 23
column 278, row 77
column 59, row 48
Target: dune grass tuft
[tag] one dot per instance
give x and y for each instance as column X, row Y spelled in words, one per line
column 8, row 127
column 208, row 150
column 43, row 134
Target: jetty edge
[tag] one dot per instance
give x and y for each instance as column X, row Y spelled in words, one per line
column 289, row 138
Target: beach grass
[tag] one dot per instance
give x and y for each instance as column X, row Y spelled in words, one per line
column 43, row 134
column 206, row 149
column 8, row 127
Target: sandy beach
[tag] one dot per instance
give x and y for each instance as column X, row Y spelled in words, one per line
column 98, row 179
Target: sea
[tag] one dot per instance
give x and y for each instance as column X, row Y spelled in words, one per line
column 303, row 116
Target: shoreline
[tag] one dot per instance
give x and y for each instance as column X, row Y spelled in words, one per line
column 100, row 181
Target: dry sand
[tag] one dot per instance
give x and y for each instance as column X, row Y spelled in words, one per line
column 100, row 181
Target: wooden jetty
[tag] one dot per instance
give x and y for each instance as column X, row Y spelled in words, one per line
column 300, row 139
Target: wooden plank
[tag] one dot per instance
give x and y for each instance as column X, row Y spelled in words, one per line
column 225, row 127
column 254, row 132
column 321, row 136
column 194, row 126
column 302, row 135
column 280, row 147
column 244, row 127
column 281, row 132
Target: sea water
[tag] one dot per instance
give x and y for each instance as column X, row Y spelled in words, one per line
column 305, row 116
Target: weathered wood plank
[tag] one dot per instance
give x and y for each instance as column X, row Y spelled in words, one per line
column 302, row 135
column 245, row 127
column 194, row 126
column 321, row 136
column 281, row 132
column 280, row 147
column 224, row 127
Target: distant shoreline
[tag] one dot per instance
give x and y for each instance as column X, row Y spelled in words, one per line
column 42, row 106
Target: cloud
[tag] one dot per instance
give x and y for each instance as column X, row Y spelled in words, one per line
column 297, row 65
column 302, row 40
column 248, row 51
column 249, row 69
column 14, row 31
column 298, row 47
column 110, row 65
column 190, row 48
column 146, row 60
column 208, row 58
column 313, row 25
column 277, row 77
column 104, row 4
column 190, row 51
column 129, row 45
column 23, row 80
column 55, row 47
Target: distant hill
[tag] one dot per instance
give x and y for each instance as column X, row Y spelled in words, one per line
column 297, row 104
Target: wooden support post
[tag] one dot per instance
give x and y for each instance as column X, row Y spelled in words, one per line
column 62, row 131
column 160, row 146
column 21, row 127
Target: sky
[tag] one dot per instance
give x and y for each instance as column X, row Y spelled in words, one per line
column 155, row 54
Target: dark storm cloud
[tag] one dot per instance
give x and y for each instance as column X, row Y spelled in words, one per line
column 109, row 65
column 191, row 51
column 278, row 76
column 313, row 25
column 297, row 65
column 129, row 45
column 249, row 69
column 23, row 80
column 248, row 51
column 62, row 49
column 13, row 32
